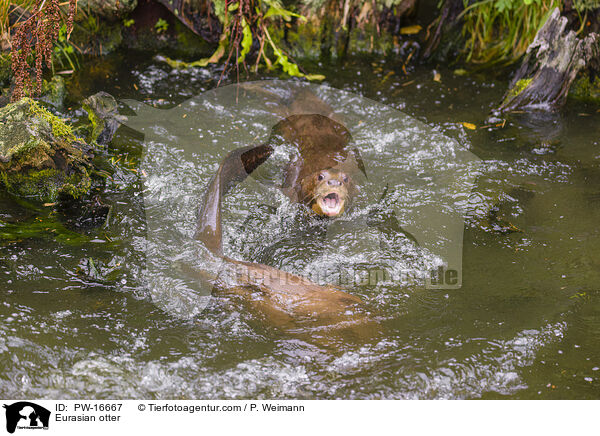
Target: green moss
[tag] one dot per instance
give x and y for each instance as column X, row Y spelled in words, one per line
column 301, row 39
column 16, row 128
column 77, row 185
column 190, row 44
column 21, row 149
column 586, row 90
column 31, row 153
column 102, row 110
column 111, row 10
column 46, row 185
column 43, row 185
column 519, row 87
column 4, row 179
column 59, row 128
column 39, row 155
column 54, row 91
column 516, row 90
column 41, row 227
column 96, row 123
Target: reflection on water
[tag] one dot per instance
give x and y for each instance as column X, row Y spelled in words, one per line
column 524, row 324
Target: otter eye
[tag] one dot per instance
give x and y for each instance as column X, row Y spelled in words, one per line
column 345, row 178
column 321, row 176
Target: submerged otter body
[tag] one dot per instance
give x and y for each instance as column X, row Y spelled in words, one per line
column 320, row 175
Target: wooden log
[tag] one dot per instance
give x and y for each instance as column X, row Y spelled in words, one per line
column 551, row 63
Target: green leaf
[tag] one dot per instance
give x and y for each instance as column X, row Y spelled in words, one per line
column 315, row 76
column 246, row 41
column 219, row 6
column 218, row 54
column 277, row 10
column 291, row 68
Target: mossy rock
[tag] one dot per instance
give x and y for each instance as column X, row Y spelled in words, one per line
column 586, row 89
column 54, row 92
column 188, row 43
column 40, row 158
column 103, row 114
column 111, row 10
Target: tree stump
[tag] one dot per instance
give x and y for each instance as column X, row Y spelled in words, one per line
column 550, row 66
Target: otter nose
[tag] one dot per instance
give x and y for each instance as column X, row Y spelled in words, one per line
column 334, row 182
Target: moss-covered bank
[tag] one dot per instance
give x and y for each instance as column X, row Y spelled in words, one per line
column 40, row 157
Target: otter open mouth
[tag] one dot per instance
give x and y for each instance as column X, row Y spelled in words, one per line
column 331, row 204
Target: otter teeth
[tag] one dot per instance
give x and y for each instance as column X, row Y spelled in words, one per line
column 331, row 204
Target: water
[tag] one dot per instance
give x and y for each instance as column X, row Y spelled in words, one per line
column 524, row 324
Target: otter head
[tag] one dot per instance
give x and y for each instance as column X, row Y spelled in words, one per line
column 328, row 192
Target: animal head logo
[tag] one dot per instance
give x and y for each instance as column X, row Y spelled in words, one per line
column 26, row 415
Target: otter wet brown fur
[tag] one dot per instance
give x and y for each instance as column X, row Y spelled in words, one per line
column 321, row 176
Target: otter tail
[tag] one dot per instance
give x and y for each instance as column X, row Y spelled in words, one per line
column 234, row 169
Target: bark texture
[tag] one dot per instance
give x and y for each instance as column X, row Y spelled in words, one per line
column 550, row 66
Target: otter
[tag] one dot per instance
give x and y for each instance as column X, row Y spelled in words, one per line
column 320, row 176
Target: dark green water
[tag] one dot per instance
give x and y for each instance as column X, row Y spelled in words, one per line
column 525, row 324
